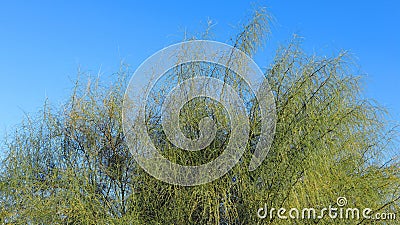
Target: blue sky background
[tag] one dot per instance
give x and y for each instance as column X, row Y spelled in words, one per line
column 42, row 43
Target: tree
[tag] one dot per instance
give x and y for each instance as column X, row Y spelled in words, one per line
column 73, row 165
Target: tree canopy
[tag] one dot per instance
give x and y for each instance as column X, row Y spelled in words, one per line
column 72, row 165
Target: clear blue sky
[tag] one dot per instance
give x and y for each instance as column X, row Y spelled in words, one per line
column 42, row 45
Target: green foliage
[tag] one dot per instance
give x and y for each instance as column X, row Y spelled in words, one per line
column 72, row 165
